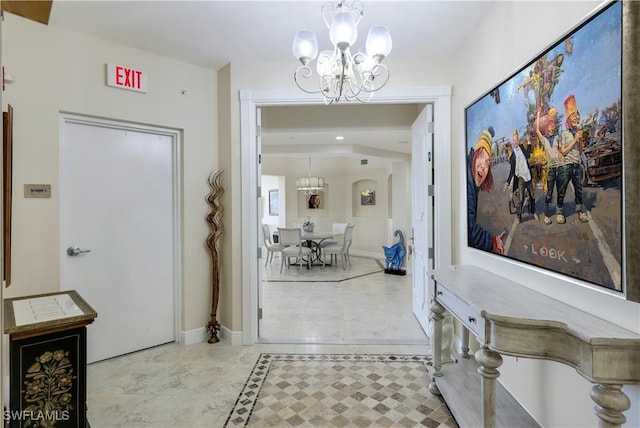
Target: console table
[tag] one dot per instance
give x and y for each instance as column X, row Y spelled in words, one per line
column 510, row 319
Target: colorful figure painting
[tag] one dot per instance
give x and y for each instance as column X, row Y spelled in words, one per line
column 544, row 158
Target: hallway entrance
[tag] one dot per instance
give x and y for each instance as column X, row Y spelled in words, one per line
column 439, row 97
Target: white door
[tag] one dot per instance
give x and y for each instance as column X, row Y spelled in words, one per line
column 118, row 207
column 422, row 211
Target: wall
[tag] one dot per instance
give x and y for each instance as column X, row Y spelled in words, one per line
column 57, row 70
column 555, row 394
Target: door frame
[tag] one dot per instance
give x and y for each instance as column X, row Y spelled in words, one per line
column 250, row 100
column 175, row 135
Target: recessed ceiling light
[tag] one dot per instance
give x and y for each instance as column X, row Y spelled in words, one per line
column 339, row 137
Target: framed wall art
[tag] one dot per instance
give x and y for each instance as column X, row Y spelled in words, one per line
column 274, row 201
column 315, row 201
column 545, row 153
column 316, row 205
column 368, row 197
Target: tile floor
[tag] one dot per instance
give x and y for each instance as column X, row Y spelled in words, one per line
column 334, row 305
column 174, row 386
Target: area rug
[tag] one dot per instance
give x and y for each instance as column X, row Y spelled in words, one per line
column 360, row 266
column 339, row 390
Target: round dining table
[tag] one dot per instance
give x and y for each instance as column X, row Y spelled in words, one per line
column 313, row 241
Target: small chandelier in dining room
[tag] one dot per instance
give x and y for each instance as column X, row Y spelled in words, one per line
column 310, row 185
column 343, row 74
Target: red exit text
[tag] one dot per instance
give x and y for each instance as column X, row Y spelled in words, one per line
column 126, row 78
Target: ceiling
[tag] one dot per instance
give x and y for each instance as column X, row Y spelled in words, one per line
column 214, row 33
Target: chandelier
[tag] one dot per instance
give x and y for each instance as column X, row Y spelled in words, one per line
column 342, row 73
column 310, row 185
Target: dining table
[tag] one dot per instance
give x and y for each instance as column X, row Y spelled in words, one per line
column 313, row 241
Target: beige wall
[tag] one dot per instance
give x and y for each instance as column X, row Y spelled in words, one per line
column 57, row 70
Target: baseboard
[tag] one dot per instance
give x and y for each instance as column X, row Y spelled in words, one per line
column 379, row 256
column 200, row 335
column 369, row 254
column 192, row 337
column 233, row 337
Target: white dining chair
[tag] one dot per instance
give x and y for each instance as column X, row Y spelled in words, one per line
column 271, row 246
column 341, row 249
column 291, row 238
column 338, row 228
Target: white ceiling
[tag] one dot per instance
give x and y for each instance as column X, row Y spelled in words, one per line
column 213, row 33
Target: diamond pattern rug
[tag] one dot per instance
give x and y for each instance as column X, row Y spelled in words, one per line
column 339, row 390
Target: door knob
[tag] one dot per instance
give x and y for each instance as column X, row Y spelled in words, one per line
column 75, row 250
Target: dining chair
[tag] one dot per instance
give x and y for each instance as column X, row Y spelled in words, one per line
column 338, row 228
column 271, row 247
column 341, row 249
column 291, row 238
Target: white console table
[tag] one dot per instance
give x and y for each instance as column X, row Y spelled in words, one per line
column 510, row 319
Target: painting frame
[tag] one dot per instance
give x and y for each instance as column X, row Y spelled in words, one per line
column 545, row 85
column 322, row 210
column 274, row 202
column 367, row 197
column 7, row 185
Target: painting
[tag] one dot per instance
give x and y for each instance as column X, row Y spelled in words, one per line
column 316, row 201
column 274, row 202
column 316, row 205
column 368, row 197
column 544, row 156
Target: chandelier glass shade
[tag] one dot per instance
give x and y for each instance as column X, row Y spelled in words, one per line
column 310, row 185
column 343, row 74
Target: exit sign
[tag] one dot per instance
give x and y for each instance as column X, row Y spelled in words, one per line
column 129, row 78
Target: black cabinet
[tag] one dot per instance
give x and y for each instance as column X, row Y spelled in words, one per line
column 48, row 366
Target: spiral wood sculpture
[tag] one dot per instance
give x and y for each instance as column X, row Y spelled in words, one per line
column 214, row 218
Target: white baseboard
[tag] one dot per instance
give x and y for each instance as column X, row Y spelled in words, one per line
column 233, row 337
column 199, row 335
column 369, row 254
column 192, row 337
column 379, row 256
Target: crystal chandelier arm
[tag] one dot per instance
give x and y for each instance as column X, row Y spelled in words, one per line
column 375, row 79
column 357, row 10
column 328, row 10
column 352, row 77
column 304, row 74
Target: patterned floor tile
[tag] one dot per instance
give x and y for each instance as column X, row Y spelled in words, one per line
column 339, row 390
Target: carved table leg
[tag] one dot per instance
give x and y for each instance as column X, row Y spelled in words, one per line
column 465, row 343
column 610, row 403
column 489, row 361
column 436, row 346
